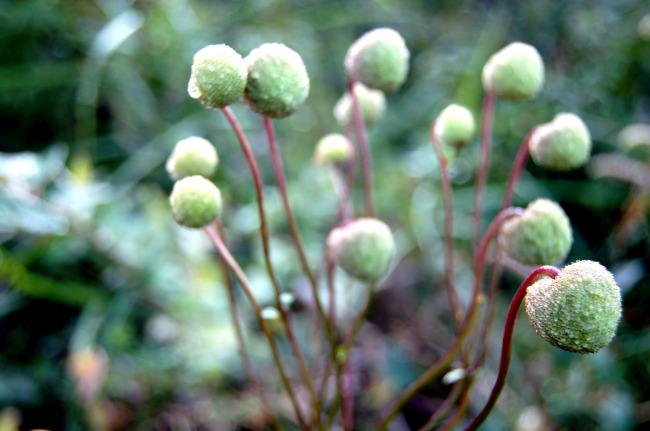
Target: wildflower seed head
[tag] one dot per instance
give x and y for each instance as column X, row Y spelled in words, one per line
column 635, row 141
column 277, row 80
column 379, row 59
column 218, row 76
column 455, row 126
column 578, row 310
column 195, row 202
column 372, row 104
column 192, row 156
column 515, row 72
column 333, row 148
column 540, row 236
column 562, row 144
column 364, row 248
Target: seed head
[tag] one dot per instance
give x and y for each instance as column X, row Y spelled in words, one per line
column 578, row 310
column 218, row 76
column 515, row 72
column 192, row 156
column 562, row 144
column 333, row 148
column 372, row 104
column 455, row 126
column 195, row 202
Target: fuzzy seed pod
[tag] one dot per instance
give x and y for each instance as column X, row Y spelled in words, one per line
column 578, row 310
column 562, row 144
column 364, row 248
column 195, row 201
column 277, row 80
column 333, row 148
column 540, row 236
column 515, row 72
column 635, row 141
column 372, row 104
column 218, row 76
column 192, row 156
column 455, row 126
column 379, row 59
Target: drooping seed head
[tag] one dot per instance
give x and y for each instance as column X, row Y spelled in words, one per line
column 364, row 248
column 540, row 236
column 277, row 80
column 372, row 104
column 515, row 72
column 455, row 126
column 578, row 310
column 333, row 148
column 379, row 59
column 635, row 141
column 562, row 144
column 192, row 156
column 218, row 76
column 195, row 202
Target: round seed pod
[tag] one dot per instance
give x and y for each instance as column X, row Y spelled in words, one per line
column 192, row 156
column 562, row 144
column 372, row 104
column 379, row 59
column 578, row 310
column 333, row 148
column 277, row 80
column 195, row 202
column 218, row 76
column 515, row 72
column 363, row 248
column 540, row 236
column 455, row 126
column 635, row 141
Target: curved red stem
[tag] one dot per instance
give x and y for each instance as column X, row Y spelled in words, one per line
column 506, row 346
column 481, row 175
column 364, row 150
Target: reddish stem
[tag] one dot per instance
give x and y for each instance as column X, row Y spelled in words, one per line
column 246, row 286
column 449, row 220
column 266, row 248
column 506, row 346
column 364, row 150
column 517, row 167
column 481, row 177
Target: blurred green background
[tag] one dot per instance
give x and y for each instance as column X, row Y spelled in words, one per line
column 100, row 291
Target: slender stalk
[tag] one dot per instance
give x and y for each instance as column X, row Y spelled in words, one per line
column 266, row 248
column 481, row 176
column 248, row 291
column 449, row 216
column 350, row 169
column 517, row 167
column 239, row 336
column 364, row 150
column 445, row 407
column 343, row 192
column 506, row 346
column 468, row 323
column 460, row 411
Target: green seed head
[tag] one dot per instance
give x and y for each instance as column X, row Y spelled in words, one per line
column 540, row 236
column 192, row 156
column 333, row 148
column 562, row 144
column 195, row 202
column 516, row 72
column 277, row 80
column 455, row 126
column 218, row 76
column 372, row 104
column 379, row 59
column 578, row 310
column 364, row 248
column 635, row 141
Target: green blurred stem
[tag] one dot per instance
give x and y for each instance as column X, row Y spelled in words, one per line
column 364, row 150
column 449, row 216
column 248, row 291
column 266, row 248
column 466, row 328
column 506, row 345
column 236, row 325
column 483, row 166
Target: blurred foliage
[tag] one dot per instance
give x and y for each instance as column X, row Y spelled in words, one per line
column 93, row 97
